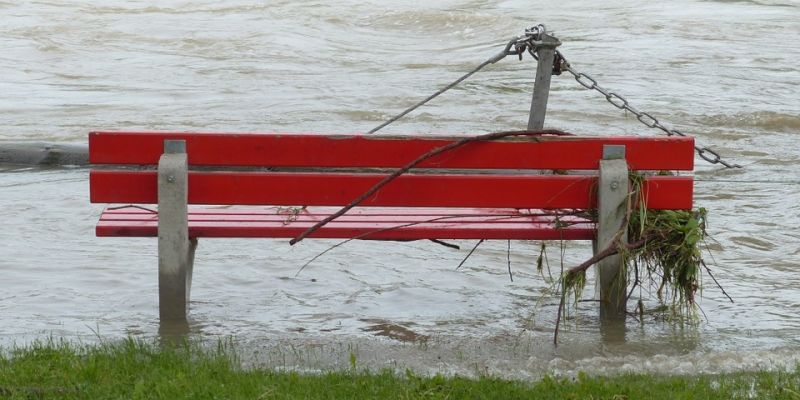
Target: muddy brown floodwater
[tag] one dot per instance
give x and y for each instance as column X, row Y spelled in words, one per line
column 725, row 71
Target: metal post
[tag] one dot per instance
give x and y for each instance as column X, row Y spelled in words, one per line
column 175, row 248
column 545, row 50
column 612, row 194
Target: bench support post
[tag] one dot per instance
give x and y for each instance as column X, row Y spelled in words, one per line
column 612, row 195
column 175, row 248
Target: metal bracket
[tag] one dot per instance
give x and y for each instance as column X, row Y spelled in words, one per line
column 613, row 152
column 174, row 146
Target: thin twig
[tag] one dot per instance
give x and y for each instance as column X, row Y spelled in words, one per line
column 607, row 252
column 701, row 311
column 365, row 234
column 708, row 270
column 508, row 257
column 560, row 308
column 547, row 262
column 374, row 189
column 469, row 254
column 636, row 281
column 133, row 206
column 445, row 244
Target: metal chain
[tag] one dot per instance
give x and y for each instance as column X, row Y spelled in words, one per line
column 527, row 43
column 645, row 118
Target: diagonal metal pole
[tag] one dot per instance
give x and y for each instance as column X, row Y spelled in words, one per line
column 545, row 49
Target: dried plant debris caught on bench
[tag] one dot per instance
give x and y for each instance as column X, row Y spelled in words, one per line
column 663, row 254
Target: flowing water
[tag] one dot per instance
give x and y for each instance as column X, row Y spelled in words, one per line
column 726, row 71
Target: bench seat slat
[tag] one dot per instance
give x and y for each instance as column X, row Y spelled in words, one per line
column 324, row 211
column 386, row 151
column 426, row 190
column 486, row 224
column 303, row 217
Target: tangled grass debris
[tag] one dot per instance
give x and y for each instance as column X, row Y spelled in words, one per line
column 662, row 253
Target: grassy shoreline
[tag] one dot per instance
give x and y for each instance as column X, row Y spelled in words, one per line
column 139, row 370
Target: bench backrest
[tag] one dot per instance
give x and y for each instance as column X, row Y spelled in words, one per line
column 332, row 170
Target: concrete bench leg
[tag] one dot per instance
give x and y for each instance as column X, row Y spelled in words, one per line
column 612, row 193
column 175, row 249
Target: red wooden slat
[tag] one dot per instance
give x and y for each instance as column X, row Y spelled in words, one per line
column 344, row 230
column 378, row 151
column 314, row 215
column 253, row 188
column 301, row 218
column 325, row 211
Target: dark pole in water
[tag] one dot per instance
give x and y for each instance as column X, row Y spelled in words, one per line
column 545, row 50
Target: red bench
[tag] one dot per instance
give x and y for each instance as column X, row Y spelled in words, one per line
column 481, row 190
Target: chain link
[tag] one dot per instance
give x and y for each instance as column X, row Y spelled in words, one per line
column 648, row 120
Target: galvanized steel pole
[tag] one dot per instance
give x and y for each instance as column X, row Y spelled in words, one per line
column 612, row 195
column 175, row 247
column 545, row 49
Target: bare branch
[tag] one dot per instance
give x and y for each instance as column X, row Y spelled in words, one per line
column 374, row 189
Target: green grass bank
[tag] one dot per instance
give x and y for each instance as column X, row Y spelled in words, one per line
column 137, row 370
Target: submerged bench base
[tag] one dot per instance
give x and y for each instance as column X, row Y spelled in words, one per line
column 489, row 190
